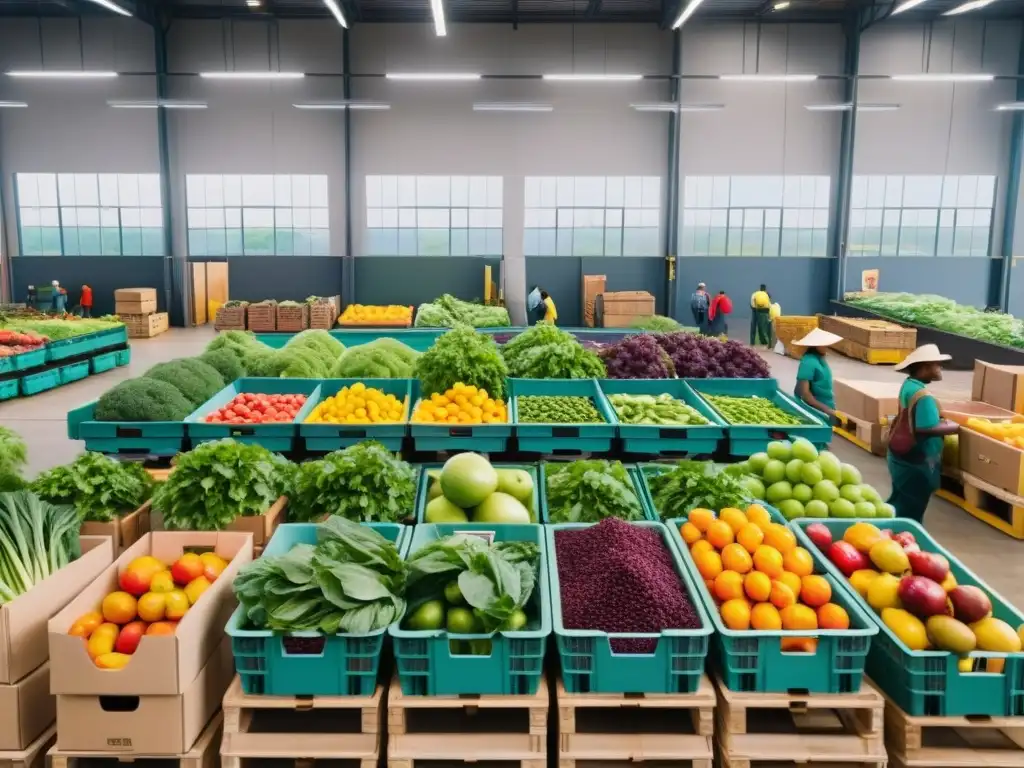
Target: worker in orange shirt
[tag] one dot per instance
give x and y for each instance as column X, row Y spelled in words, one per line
column 86, row 301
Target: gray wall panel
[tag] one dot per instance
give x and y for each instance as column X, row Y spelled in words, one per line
column 961, row 279
column 293, row 278
column 415, row 280
column 104, row 274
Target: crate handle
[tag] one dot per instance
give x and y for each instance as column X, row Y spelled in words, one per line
column 672, row 432
column 128, row 432
column 777, row 435
column 304, row 646
column 565, row 431
column 242, row 431
column 119, row 703
column 460, row 432
column 360, row 433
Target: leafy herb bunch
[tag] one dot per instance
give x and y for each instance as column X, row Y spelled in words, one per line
column 588, row 491
column 462, row 355
column 99, row 487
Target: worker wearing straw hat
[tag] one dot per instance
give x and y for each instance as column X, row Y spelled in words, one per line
column 917, row 472
column 814, row 377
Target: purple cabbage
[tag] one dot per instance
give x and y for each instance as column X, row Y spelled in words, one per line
column 637, row 357
column 703, row 357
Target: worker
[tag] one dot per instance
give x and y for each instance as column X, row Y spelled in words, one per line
column 699, row 304
column 814, row 376
column 916, row 435
column 721, row 307
column 760, row 322
column 86, row 301
column 58, row 298
column 32, row 299
column 535, row 305
column 550, row 312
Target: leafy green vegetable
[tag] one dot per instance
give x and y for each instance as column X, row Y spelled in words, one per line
column 660, row 409
column 751, row 410
column 226, row 362
column 383, row 358
column 364, row 482
column 251, row 351
column 36, row 540
column 587, row 491
column 143, row 399
column 658, row 324
column 463, row 355
column 57, row 329
column 99, row 487
column 691, row 484
column 216, row 482
column 448, row 312
column 328, row 348
column 196, row 380
column 13, row 457
column 546, row 352
column 557, row 409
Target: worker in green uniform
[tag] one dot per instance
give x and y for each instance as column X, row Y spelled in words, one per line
column 760, row 322
column 916, row 474
column 814, row 376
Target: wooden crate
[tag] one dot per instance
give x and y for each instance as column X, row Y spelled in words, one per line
column 202, row 755
column 866, row 435
column 262, row 318
column 755, row 728
column 636, row 728
column 146, row 326
column 230, row 319
column 871, row 355
column 1000, row 509
column 875, row 334
column 301, row 727
column 945, row 742
column 34, row 755
column 291, row 318
column 509, row 729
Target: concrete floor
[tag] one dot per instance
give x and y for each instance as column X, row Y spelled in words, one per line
column 993, row 555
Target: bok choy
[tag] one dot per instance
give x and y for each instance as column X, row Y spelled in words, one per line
column 37, row 539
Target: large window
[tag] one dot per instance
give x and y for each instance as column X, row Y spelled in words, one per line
column 755, row 216
column 592, row 216
column 258, row 215
column 921, row 215
column 88, row 214
column 433, row 216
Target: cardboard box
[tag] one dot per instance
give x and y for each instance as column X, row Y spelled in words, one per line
column 23, row 621
column 876, row 436
column 999, row 385
column 230, row 319
column 146, row 725
column 134, row 295
column 146, row 326
column 28, row 710
column 870, row 401
column 293, row 319
column 124, row 531
column 262, row 318
column 873, row 334
column 992, row 461
column 147, row 307
column 164, row 665
column 962, row 410
column 261, row 527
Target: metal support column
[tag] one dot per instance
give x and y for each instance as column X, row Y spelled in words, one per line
column 174, row 278
column 672, row 188
column 844, row 178
column 348, row 272
column 999, row 285
column 7, row 292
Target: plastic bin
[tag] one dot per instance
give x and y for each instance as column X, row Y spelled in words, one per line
column 24, row 361
column 754, row 662
column 347, row 665
column 634, row 476
column 323, row 438
column 8, row 389
column 662, row 440
column 274, row 437
column 124, row 356
column 553, row 438
column 483, row 438
column 745, row 440
column 109, row 360
column 85, row 343
column 74, row 372
column 34, row 383
column 536, row 507
column 153, row 438
column 929, row 683
column 425, row 661
column 589, row 665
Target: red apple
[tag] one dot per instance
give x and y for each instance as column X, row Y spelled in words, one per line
column 922, row 596
column 820, row 535
column 904, row 538
column 847, row 558
column 886, row 533
column 929, row 565
column 970, row 604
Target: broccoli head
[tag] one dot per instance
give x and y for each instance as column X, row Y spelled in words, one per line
column 226, row 362
column 143, row 399
column 197, row 381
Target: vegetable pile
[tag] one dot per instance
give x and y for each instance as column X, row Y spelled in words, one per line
column 691, row 484
column 226, row 362
column 587, row 491
column 657, row 324
column 13, row 343
column 370, row 314
column 1010, row 432
column 620, row 578
column 544, row 409
column 352, row 581
column 99, row 487
column 701, row 357
column 196, row 380
column 383, row 358
column 58, row 329
column 546, row 352
column 142, row 399
column 469, row 488
column 660, row 409
column 363, row 483
column 637, row 357
column 358, row 404
column 250, row 408
column 37, row 539
column 752, row 410
column 462, row 356
column 13, row 458
column 448, row 312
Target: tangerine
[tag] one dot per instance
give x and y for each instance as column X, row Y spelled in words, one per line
column 709, row 564
column 736, row 614
column 792, row 581
column 736, row 558
column 799, row 561
column 691, row 533
column 832, row 616
column 702, row 518
column 765, row 616
column 768, row 560
column 759, row 516
column 720, row 534
column 815, row 591
column 798, row 617
column 780, row 537
column 750, row 537
column 782, row 597
column 757, row 586
column 728, row 586
column 733, row 517
column 700, row 547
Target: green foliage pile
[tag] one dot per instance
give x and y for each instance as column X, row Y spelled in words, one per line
column 143, row 399
column 13, row 457
column 546, row 352
column 254, row 354
column 463, row 355
column 328, row 347
column 659, row 324
column 56, row 329
column 196, row 380
column 448, row 312
column 383, row 358
column 99, row 487
column 226, row 362
column 590, row 490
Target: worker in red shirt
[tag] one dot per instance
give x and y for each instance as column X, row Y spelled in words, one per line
column 721, row 306
column 86, row 301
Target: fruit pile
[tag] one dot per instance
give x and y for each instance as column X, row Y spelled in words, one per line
column 372, row 314
column 14, row 343
column 916, row 594
column 544, row 409
column 1009, row 432
column 462, row 404
column 801, row 482
column 358, row 404
column 468, row 489
column 752, row 410
column 759, row 577
column 248, row 408
column 152, row 600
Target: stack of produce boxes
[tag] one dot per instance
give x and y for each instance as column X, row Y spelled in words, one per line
column 869, row 405
column 137, row 308
column 871, row 341
column 292, row 316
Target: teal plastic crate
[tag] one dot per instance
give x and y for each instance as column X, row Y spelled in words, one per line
column 8, row 389
column 536, row 506
column 316, row 664
column 155, row 438
column 483, row 438
column 631, row 470
column 554, row 438
column 662, row 440
column 590, row 665
column 929, row 683
column 754, row 662
column 746, row 440
column 274, row 437
column 124, row 356
column 426, row 662
column 323, row 438
column 107, row 361
column 34, row 383
column 86, row 343
column 74, row 372
column 26, row 361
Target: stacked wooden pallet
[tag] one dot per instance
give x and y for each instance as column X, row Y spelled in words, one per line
column 877, row 342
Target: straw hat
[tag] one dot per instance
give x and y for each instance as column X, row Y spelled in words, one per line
column 818, row 338
column 928, row 353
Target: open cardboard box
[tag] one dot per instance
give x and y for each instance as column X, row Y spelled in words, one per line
column 27, row 710
column 962, row 410
column 999, row 385
column 23, row 627
column 125, row 531
column 992, row 461
column 162, row 665
column 261, row 527
column 873, row 401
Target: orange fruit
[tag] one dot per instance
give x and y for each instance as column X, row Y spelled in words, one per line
column 792, row 581
column 768, row 560
column 728, row 586
column 759, row 516
column 798, row 617
column 798, row 645
column 798, row 560
column 720, row 534
column 736, row 614
column 832, row 616
column 757, row 586
column 733, row 517
column 750, row 537
column 710, row 584
column 815, row 591
column 782, row 597
column 765, row 616
column 736, row 558
column 119, row 608
column 709, row 564
column 702, row 518
column 691, row 533
column 780, row 537
column 700, row 547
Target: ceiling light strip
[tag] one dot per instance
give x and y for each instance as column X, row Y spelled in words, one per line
column 848, row 106
column 1011, row 106
column 437, row 9
column 973, row 5
column 155, row 104
column 329, row 105
column 768, row 78
column 113, row 7
column 594, row 78
column 13, row 104
column 252, row 75
column 511, row 106
column 335, row 10
column 686, row 13
column 62, row 74
column 668, row 106
column 947, row 77
column 907, row 5
column 433, row 76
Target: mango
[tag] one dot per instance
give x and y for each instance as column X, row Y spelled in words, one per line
column 996, row 635
column 113, row 660
column 86, row 624
column 102, row 640
column 152, row 606
column 863, row 536
column 949, row 583
column 187, row 567
column 213, row 565
column 883, row 592
column 162, row 582
column 888, row 556
column 195, row 589
column 162, row 628
column 861, row 580
column 907, row 627
column 136, row 578
column 948, row 634
column 119, row 608
column 129, row 637
column 176, row 605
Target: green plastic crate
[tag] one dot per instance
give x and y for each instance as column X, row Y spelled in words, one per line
column 86, row 343
column 483, row 438
column 74, row 372
column 647, row 470
column 34, row 383
column 589, row 665
column 536, row 508
column 754, row 662
column 746, row 440
column 274, row 437
column 661, row 440
column 929, row 683
column 27, row 360
column 634, row 476
column 106, row 361
column 124, row 356
column 154, row 438
column 344, row 665
column 8, row 389
column 323, row 438
column 426, row 663
column 553, row 438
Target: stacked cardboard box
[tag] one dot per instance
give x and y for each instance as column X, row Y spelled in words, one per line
column 137, row 308
column 869, row 334
column 593, row 286
column 263, row 317
column 292, row 318
column 621, row 308
column 871, row 405
column 324, row 313
column 230, row 318
column 146, row 326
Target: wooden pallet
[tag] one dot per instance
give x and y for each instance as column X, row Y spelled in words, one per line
column 637, row 728
column 808, row 728
column 296, row 727
column 467, row 728
column 999, row 508
column 865, row 435
column 952, row 742
column 34, row 755
column 872, row 355
column 202, row 755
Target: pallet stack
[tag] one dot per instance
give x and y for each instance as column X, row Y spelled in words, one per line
column 868, row 407
column 790, row 328
column 876, row 342
column 137, row 308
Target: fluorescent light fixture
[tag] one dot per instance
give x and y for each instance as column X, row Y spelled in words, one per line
column 335, row 10
column 112, row 7
column 907, row 5
column 13, row 104
column 512, row 106
column 687, row 12
column 669, row 106
column 437, row 9
column 433, row 76
column 781, row 6
column 594, row 78
column 768, row 78
column 253, row 3
column 252, row 75
column 1010, row 106
column 848, row 106
column 328, row 105
column 949, row 77
column 973, row 5
column 62, row 74
column 155, row 104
